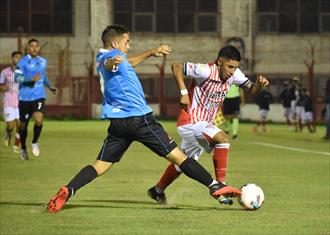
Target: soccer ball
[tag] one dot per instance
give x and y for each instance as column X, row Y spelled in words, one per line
column 252, row 197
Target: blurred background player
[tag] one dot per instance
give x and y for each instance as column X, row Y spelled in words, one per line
column 10, row 101
column 308, row 115
column 327, row 110
column 200, row 103
column 263, row 99
column 231, row 110
column 131, row 119
column 31, row 76
column 300, row 108
column 285, row 99
column 294, row 97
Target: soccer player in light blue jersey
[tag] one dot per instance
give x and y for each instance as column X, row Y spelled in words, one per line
column 31, row 76
column 131, row 120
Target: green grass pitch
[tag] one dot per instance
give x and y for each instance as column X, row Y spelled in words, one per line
column 292, row 169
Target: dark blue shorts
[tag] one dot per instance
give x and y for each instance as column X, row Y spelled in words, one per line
column 231, row 106
column 144, row 129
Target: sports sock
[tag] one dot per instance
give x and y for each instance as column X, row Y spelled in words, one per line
column 23, row 134
column 235, row 126
column 220, row 160
column 36, row 133
column 194, row 170
column 86, row 175
column 169, row 175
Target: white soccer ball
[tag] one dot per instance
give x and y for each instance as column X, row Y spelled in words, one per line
column 252, row 197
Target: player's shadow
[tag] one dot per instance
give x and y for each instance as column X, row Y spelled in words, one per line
column 122, row 204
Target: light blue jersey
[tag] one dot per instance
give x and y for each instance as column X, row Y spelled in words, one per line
column 27, row 68
column 122, row 90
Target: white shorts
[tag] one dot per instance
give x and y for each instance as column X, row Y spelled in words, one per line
column 194, row 138
column 300, row 110
column 263, row 113
column 308, row 117
column 10, row 113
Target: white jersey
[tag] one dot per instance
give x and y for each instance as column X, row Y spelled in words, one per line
column 207, row 91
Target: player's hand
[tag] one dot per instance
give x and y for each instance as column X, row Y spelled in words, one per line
column 54, row 90
column 185, row 102
column 262, row 81
column 112, row 63
column 161, row 51
column 37, row 77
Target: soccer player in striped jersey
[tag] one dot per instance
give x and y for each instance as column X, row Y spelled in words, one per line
column 200, row 104
column 31, row 76
column 10, row 101
column 131, row 120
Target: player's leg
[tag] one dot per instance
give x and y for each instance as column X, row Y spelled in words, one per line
column 235, row 126
column 191, row 148
column 38, row 118
column 194, row 170
column 38, row 108
column 17, row 136
column 24, row 116
column 154, row 136
column 10, row 125
column 9, row 117
column 111, row 152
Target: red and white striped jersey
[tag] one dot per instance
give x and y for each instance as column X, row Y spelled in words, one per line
column 207, row 92
column 10, row 97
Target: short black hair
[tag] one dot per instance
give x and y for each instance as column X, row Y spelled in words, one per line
column 111, row 32
column 230, row 52
column 16, row 53
column 33, row 40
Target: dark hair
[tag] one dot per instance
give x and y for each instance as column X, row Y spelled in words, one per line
column 111, row 32
column 230, row 52
column 16, row 53
column 33, row 40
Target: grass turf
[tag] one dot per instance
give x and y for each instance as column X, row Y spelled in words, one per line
column 296, row 186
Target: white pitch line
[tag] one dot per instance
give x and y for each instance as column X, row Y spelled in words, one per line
column 291, row 148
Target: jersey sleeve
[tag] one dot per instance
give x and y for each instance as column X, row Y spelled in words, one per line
column 199, row 72
column 239, row 78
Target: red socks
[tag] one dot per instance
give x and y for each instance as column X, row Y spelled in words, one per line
column 220, row 160
column 168, row 177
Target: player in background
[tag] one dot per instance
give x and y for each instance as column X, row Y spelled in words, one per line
column 31, row 76
column 294, row 97
column 10, row 101
column 300, row 108
column 263, row 99
column 285, row 99
column 231, row 109
column 131, row 119
column 200, row 103
column 308, row 116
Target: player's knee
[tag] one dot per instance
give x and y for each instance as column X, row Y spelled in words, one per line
column 221, row 137
column 101, row 167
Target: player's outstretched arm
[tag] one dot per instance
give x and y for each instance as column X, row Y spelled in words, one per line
column 155, row 52
column 179, row 78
